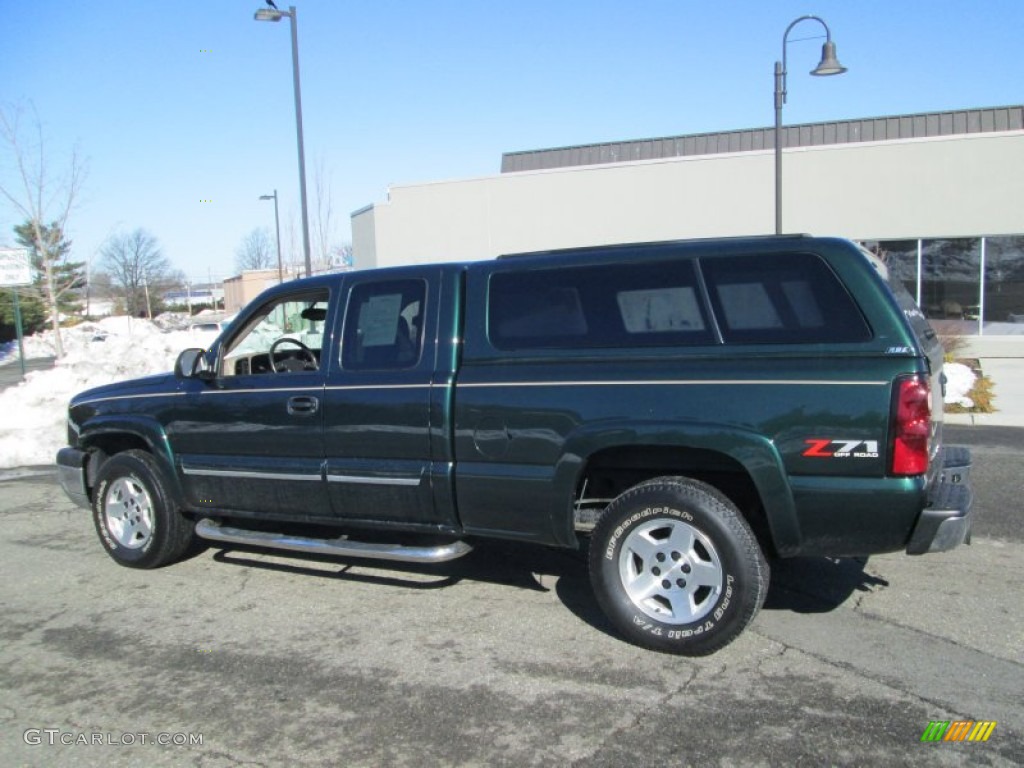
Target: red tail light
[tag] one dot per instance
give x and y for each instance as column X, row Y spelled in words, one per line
column 912, row 425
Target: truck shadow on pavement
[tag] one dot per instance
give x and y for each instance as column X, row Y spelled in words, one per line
column 800, row 585
column 818, row 584
column 508, row 564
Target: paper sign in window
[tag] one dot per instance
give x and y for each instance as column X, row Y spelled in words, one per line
column 378, row 320
column 659, row 310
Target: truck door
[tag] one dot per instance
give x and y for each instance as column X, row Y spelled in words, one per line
column 252, row 440
column 377, row 402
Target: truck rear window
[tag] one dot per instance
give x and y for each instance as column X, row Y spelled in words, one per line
column 627, row 305
column 772, row 298
column 781, row 298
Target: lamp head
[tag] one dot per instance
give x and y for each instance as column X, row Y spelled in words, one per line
column 269, row 14
column 829, row 64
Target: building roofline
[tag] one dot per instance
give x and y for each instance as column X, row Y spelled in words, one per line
column 885, row 128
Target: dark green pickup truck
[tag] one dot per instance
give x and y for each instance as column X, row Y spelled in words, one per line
column 688, row 409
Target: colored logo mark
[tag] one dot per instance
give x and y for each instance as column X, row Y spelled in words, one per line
column 958, row 730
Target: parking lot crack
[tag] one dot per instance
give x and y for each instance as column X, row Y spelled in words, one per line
column 780, row 653
column 932, row 636
column 244, row 581
column 932, row 702
column 637, row 718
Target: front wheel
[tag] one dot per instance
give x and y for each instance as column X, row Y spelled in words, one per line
column 137, row 520
column 676, row 568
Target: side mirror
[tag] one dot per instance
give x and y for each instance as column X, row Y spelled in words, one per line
column 192, row 363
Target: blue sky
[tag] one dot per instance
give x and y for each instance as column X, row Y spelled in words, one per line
column 172, row 104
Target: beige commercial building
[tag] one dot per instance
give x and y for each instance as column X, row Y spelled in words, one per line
column 942, row 194
column 241, row 289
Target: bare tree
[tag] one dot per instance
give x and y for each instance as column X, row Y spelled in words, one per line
column 101, row 286
column 291, row 251
column 256, row 251
column 45, row 200
column 341, row 256
column 136, row 265
column 322, row 227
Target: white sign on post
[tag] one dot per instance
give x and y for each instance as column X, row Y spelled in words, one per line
column 15, row 268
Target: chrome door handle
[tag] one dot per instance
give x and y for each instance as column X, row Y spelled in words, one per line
column 302, row 406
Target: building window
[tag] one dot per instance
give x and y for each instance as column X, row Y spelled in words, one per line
column 949, row 278
column 945, row 276
column 900, row 257
column 1004, row 279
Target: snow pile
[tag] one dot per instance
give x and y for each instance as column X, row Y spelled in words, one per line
column 34, row 412
column 40, row 345
column 959, row 382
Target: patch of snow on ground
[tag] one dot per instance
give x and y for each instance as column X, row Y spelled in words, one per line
column 959, row 382
column 33, row 424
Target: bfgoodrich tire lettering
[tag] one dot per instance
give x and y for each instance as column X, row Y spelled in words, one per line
column 676, row 568
column 137, row 520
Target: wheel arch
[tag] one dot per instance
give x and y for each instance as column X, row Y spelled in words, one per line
column 107, row 436
column 742, row 465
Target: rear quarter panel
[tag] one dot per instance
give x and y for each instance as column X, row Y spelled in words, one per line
column 809, row 423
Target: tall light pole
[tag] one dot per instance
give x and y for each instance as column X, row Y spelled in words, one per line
column 272, row 14
column 829, row 65
column 277, row 229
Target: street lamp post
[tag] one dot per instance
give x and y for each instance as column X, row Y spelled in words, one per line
column 272, row 14
column 829, row 65
column 277, row 229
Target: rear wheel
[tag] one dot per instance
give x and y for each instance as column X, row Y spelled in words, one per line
column 676, row 568
column 137, row 520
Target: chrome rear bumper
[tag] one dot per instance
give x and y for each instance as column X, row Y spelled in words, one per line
column 946, row 522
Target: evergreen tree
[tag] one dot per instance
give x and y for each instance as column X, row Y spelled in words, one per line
column 33, row 314
column 68, row 276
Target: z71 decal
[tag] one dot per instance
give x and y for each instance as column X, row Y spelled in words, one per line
column 842, row 449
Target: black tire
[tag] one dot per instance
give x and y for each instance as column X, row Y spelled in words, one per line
column 137, row 520
column 676, row 568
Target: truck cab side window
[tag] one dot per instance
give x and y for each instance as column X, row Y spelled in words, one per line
column 283, row 336
column 383, row 326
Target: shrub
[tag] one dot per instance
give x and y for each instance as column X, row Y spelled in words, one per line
column 981, row 395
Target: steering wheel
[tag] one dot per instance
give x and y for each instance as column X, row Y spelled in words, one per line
column 306, row 361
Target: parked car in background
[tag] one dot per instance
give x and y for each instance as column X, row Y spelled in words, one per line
column 206, row 328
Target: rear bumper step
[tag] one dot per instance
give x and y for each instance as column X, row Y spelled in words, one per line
column 956, row 464
column 214, row 531
column 946, row 522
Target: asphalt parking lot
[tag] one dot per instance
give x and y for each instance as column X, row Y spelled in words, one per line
column 10, row 374
column 502, row 658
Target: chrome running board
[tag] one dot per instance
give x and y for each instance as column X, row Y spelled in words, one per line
column 214, row 531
